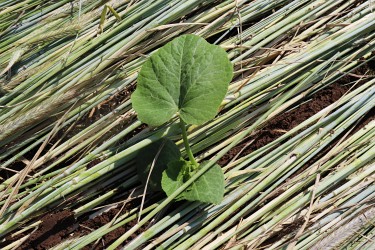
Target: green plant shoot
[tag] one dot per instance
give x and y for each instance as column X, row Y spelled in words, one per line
column 187, row 77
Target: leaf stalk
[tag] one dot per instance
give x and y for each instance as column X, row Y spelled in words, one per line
column 186, row 144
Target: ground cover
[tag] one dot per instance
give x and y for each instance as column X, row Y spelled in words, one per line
column 294, row 135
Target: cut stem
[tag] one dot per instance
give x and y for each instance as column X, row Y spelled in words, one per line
column 186, row 144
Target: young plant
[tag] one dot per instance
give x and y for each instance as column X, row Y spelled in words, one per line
column 187, row 77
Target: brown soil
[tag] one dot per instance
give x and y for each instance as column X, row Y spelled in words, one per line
column 89, row 225
column 370, row 116
column 287, row 229
column 285, row 122
column 59, row 226
column 52, row 230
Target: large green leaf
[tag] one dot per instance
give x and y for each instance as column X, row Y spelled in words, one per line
column 208, row 188
column 158, row 154
column 188, row 76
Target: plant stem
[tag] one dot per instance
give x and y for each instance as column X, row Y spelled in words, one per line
column 186, row 144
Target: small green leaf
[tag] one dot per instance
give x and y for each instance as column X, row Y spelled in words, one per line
column 187, row 76
column 173, row 177
column 145, row 158
column 208, row 188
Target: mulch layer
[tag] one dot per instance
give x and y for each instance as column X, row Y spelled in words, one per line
column 59, row 226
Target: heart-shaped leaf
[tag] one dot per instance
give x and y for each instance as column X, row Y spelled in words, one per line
column 187, row 76
column 158, row 154
column 208, row 188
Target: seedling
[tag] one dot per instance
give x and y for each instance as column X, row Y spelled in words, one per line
column 187, row 77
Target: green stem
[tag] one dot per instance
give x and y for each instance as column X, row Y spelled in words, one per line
column 186, row 144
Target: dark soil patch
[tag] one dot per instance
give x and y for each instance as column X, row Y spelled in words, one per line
column 370, row 116
column 287, row 229
column 285, row 122
column 92, row 224
column 60, row 226
column 54, row 227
